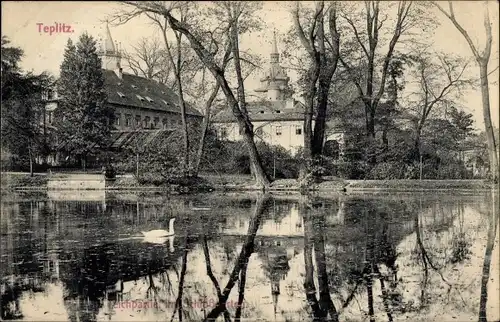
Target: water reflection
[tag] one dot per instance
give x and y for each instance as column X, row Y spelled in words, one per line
column 233, row 257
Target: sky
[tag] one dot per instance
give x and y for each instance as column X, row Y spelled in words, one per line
column 44, row 52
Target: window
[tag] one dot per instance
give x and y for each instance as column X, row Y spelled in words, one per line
column 261, row 112
column 50, row 117
column 50, row 94
column 121, row 94
column 149, row 99
column 128, row 120
column 240, row 131
column 137, row 120
column 223, row 132
column 117, row 119
column 146, row 121
column 156, row 121
column 278, row 130
column 278, row 111
column 140, row 97
column 165, row 123
column 134, row 87
column 298, row 130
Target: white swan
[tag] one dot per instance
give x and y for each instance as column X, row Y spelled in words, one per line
column 158, row 233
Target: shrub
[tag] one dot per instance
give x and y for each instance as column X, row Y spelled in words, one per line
column 351, row 169
column 388, row 171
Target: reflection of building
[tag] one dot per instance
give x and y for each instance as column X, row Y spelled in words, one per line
column 288, row 225
column 278, row 119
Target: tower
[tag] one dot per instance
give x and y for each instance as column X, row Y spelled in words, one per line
column 275, row 82
column 110, row 54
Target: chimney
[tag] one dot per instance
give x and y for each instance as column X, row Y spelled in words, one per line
column 119, row 71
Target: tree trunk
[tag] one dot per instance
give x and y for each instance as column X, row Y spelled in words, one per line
column 137, row 165
column 320, row 121
column 306, row 166
column 490, row 134
column 416, row 146
column 31, row 161
column 240, row 115
column 371, row 157
column 185, row 134
column 204, row 130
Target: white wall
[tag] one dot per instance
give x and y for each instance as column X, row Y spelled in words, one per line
column 267, row 131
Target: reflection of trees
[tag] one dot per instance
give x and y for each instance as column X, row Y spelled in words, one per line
column 27, row 241
column 178, row 301
column 314, row 224
column 492, row 232
column 427, row 263
column 460, row 244
column 210, row 274
column 372, row 228
column 243, row 258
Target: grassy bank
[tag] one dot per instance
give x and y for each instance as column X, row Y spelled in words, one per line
column 412, row 185
column 15, row 180
column 209, row 182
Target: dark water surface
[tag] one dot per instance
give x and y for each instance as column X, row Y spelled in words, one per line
column 418, row 257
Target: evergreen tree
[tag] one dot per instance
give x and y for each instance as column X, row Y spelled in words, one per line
column 83, row 119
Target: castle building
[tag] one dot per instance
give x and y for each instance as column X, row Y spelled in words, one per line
column 278, row 118
column 141, row 105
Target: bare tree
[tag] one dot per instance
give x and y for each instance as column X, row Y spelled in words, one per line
column 323, row 53
column 482, row 59
column 236, row 19
column 439, row 79
column 208, row 109
column 147, row 59
column 177, row 60
column 368, row 32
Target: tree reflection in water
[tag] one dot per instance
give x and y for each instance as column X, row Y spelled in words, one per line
column 243, row 258
column 314, row 224
column 386, row 259
column 490, row 244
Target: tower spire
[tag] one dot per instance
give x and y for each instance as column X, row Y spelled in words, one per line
column 275, row 43
column 109, row 46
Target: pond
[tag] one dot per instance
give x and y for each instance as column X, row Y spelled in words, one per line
column 230, row 257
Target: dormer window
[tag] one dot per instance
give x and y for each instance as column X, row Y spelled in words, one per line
column 166, row 103
column 278, row 111
column 261, row 112
column 119, row 84
column 121, row 94
column 134, row 87
column 149, row 99
column 140, row 98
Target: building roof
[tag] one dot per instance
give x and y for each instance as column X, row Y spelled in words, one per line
column 139, row 92
column 266, row 111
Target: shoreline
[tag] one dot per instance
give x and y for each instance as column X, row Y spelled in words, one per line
column 40, row 183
